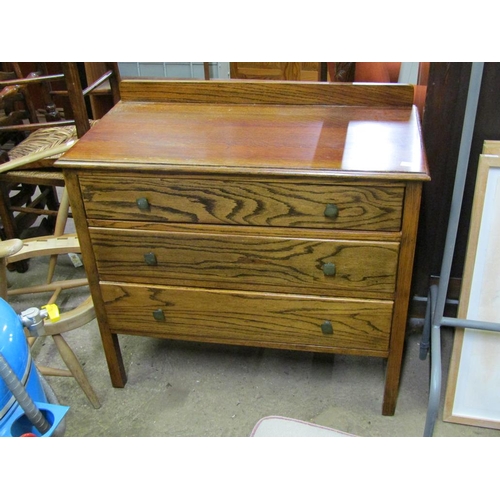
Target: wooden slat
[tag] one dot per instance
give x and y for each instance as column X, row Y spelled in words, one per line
column 49, row 287
column 266, row 92
column 35, row 79
column 46, row 245
column 29, row 127
column 76, row 98
column 104, row 78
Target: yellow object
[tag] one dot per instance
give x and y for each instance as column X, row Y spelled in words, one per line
column 53, row 312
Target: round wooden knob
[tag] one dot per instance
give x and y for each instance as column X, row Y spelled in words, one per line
column 327, row 328
column 331, row 211
column 150, row 259
column 143, row 204
column 159, row 315
column 329, row 269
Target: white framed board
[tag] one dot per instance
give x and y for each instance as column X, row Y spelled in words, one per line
column 473, row 389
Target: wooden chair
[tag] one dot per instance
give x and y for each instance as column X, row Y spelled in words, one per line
column 11, row 112
column 32, row 162
column 17, row 108
column 44, row 134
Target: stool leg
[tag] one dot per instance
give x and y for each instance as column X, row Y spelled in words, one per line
column 76, row 369
column 62, row 218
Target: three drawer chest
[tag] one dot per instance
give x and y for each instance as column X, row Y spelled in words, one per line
column 269, row 214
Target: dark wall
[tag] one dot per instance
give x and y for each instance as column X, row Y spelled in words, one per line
column 442, row 128
column 487, row 127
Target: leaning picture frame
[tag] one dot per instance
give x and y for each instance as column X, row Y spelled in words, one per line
column 491, row 147
column 473, row 387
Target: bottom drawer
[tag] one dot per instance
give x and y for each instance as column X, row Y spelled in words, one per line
column 245, row 318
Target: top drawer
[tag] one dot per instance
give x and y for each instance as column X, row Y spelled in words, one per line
column 243, row 202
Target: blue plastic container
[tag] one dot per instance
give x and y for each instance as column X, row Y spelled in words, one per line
column 15, row 350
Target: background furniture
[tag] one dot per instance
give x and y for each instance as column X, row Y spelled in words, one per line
column 103, row 94
column 20, row 118
column 251, row 215
column 17, row 196
column 32, row 163
column 299, row 71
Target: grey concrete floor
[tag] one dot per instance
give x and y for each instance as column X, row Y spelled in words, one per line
column 192, row 389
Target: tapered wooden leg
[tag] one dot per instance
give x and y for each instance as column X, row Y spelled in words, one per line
column 76, row 369
column 62, row 218
column 114, row 358
column 391, row 385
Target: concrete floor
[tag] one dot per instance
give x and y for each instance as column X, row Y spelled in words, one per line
column 191, row 389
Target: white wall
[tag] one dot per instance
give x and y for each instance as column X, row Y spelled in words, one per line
column 218, row 70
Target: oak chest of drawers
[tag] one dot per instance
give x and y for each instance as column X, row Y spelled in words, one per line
column 280, row 215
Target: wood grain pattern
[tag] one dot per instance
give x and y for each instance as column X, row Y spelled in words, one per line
column 258, row 231
column 109, row 340
column 241, row 202
column 218, row 260
column 237, row 176
column 403, row 287
column 269, row 92
column 297, row 140
column 249, row 319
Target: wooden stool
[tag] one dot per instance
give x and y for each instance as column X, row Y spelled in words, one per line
column 15, row 249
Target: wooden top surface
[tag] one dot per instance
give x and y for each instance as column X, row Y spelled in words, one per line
column 188, row 137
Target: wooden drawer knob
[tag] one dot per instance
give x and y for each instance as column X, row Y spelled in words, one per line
column 329, row 269
column 143, row 204
column 150, row 259
column 159, row 315
column 327, row 328
column 331, row 211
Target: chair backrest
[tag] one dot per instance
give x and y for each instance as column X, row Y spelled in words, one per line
column 15, row 101
column 77, row 94
column 70, row 76
column 27, row 161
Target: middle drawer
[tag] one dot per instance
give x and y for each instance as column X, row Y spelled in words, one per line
column 260, row 263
